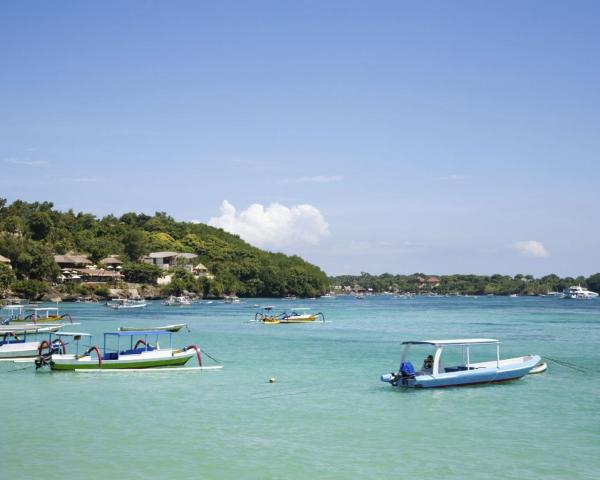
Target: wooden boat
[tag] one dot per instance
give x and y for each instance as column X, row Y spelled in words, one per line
column 44, row 314
column 140, row 355
column 15, row 345
column 173, row 301
column 28, row 328
column 266, row 316
column 126, row 303
column 434, row 374
column 165, row 328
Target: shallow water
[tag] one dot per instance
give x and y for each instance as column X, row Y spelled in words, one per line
column 328, row 415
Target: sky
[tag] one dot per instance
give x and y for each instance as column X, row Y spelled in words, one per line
column 438, row 137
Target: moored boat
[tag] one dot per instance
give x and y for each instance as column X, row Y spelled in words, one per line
column 43, row 314
column 577, row 292
column 296, row 316
column 165, row 328
column 180, row 301
column 126, row 303
column 434, row 374
column 140, row 355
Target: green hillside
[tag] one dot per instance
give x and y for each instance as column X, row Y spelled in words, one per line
column 31, row 233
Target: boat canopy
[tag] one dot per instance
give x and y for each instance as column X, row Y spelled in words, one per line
column 43, row 309
column 462, row 341
column 72, row 334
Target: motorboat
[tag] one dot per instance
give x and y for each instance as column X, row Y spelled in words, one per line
column 180, row 301
column 434, row 374
column 166, row 328
column 126, row 303
column 231, row 299
column 138, row 354
column 578, row 293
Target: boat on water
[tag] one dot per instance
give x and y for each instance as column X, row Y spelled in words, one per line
column 29, row 328
column 180, row 301
column 43, row 314
column 165, row 328
column 434, row 374
column 17, row 345
column 138, row 354
column 578, row 293
column 231, row 299
column 126, row 303
column 298, row 315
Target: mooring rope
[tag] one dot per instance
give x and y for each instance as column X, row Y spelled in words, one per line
column 572, row 366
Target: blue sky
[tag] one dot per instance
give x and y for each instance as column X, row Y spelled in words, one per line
column 444, row 137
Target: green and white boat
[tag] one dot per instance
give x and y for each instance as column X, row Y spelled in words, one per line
column 139, row 355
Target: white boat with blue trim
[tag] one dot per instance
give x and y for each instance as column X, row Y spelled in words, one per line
column 433, row 373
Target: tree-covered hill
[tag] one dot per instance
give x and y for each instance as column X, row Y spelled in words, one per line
column 31, row 233
column 465, row 284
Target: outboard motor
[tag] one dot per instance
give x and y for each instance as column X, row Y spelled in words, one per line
column 407, row 371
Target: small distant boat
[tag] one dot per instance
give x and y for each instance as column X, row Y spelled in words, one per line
column 578, row 293
column 539, row 368
column 513, row 295
column 180, row 301
column 43, row 314
column 266, row 316
column 231, row 299
column 434, row 374
column 328, row 295
column 141, row 355
column 126, row 303
column 165, row 328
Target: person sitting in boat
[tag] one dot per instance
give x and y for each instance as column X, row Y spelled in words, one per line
column 427, row 364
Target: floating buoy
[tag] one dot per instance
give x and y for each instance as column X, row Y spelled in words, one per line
column 272, row 380
column 539, row 368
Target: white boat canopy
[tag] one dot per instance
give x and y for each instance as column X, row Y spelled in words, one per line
column 462, row 341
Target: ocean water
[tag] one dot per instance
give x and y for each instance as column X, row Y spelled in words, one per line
column 327, row 416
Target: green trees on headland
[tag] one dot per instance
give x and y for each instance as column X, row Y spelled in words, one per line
column 32, row 233
column 464, row 284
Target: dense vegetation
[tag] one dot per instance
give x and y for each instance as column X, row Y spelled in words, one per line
column 31, row 233
column 466, row 284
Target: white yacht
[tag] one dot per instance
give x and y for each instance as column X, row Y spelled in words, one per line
column 578, row 293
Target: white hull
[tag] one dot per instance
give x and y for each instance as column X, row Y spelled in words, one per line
column 19, row 350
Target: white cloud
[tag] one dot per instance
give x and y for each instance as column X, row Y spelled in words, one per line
column 26, row 162
column 273, row 226
column 316, row 179
column 531, row 248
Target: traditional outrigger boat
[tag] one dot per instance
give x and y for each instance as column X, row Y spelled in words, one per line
column 26, row 328
column 16, row 345
column 266, row 316
column 141, row 355
column 434, row 374
column 166, row 328
column 43, row 314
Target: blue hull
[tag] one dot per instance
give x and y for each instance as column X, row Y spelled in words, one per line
column 468, row 377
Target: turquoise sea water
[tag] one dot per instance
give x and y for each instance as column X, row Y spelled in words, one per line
column 328, row 415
